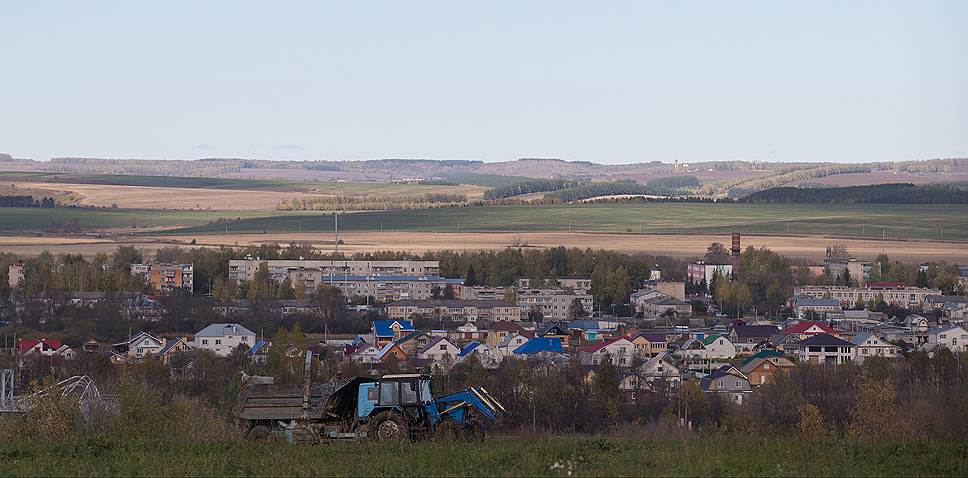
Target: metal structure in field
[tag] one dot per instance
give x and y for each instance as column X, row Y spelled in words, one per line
column 6, row 390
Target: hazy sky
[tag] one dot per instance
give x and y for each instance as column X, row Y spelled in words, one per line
column 609, row 82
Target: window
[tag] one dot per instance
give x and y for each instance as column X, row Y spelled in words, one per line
column 218, row 342
column 389, row 393
column 443, row 347
column 373, row 394
column 204, row 341
column 720, row 384
column 739, row 384
column 407, row 393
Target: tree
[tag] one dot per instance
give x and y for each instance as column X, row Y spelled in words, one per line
column 435, row 292
column 285, row 290
column 260, row 287
column 470, row 277
column 448, row 292
column 716, row 254
column 576, row 310
column 845, row 278
column 331, row 303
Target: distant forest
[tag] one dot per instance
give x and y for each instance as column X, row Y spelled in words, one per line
column 613, row 188
column 673, row 182
column 26, row 201
column 902, row 193
column 529, row 187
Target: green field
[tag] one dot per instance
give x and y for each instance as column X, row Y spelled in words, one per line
column 851, row 220
column 848, row 220
column 546, row 456
column 15, row 220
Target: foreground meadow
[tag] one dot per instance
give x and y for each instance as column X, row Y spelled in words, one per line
column 501, row 456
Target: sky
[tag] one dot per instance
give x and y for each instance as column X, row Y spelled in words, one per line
column 609, row 82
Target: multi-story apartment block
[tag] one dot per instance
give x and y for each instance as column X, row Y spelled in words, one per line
column 455, row 310
column 382, row 288
column 576, row 284
column 245, row 269
column 698, row 271
column 167, row 277
column 909, row 297
column 552, row 303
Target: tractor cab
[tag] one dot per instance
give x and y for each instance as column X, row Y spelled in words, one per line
column 405, row 393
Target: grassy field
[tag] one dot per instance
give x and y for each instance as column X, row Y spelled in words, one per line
column 861, row 220
column 17, row 220
column 549, row 456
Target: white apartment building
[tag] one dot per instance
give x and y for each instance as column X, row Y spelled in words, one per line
column 245, row 269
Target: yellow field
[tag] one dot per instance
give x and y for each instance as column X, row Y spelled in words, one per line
column 672, row 245
column 142, row 197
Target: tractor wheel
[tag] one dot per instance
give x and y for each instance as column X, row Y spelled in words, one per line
column 258, row 433
column 448, row 431
column 388, row 427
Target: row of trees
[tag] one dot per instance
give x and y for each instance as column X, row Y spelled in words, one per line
column 878, row 193
column 372, row 202
column 529, row 187
column 26, row 201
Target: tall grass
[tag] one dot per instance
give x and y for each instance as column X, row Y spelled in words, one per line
column 501, row 456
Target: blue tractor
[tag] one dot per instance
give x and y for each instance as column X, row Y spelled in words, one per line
column 390, row 408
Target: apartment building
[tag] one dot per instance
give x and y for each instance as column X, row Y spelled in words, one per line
column 894, row 294
column 576, row 284
column 166, row 277
column 699, row 270
column 245, row 269
column 552, row 303
column 455, row 310
column 383, row 288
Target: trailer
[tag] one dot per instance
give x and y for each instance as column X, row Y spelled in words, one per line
column 390, row 408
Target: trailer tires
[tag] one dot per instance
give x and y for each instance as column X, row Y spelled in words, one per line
column 388, row 427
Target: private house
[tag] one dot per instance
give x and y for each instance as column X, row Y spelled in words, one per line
column 554, row 330
column 539, row 346
column 916, row 323
column 711, row 347
column 466, row 333
column 172, row 347
column 439, row 350
column 222, row 339
column 45, row 347
column 807, row 328
column 487, row 357
column 825, row 349
column 870, row 345
column 649, row 344
column 954, row 337
column 620, row 349
column 259, row 352
column 383, row 332
column 139, row 345
column 660, row 370
column 91, row 346
column 728, row 381
column 413, row 342
column 391, row 351
column 362, row 353
column 498, row 331
column 759, row 370
column 745, row 337
column 510, row 343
